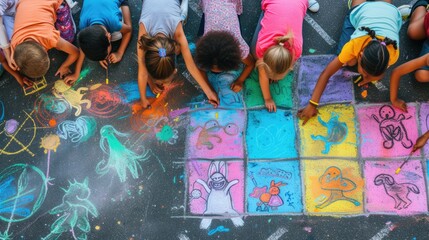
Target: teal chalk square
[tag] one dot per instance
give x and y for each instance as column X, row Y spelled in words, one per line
column 273, row 187
column 271, row 135
column 281, row 91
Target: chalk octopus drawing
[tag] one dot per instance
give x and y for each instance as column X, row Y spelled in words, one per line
column 268, row 199
column 333, row 181
column 19, row 139
column 73, row 212
column 208, row 135
column 120, row 157
column 77, row 131
column 73, row 97
column 398, row 191
column 219, row 200
column 337, row 132
column 392, row 129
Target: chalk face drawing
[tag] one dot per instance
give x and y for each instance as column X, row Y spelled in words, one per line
column 17, row 136
column 119, row 157
column 273, row 187
column 385, row 132
column 403, row 193
column 333, row 186
column 339, row 88
column 48, row 108
column 221, row 83
column 424, row 123
column 216, row 188
column 271, row 136
column 215, row 134
column 77, row 131
column 106, row 102
column 281, row 91
column 73, row 97
column 332, row 133
column 73, row 212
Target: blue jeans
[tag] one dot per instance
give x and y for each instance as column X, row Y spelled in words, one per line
column 346, row 32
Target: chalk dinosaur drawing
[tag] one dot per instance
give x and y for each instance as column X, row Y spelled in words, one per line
column 268, row 199
column 392, row 129
column 73, row 212
column 333, row 181
column 208, row 135
column 219, row 200
column 398, row 191
column 120, row 157
column 73, row 97
column 337, row 132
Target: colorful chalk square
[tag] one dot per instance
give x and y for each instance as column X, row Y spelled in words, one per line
column 387, row 132
column 214, row 134
column 333, row 187
column 387, row 192
column 271, row 135
column 424, row 123
column 221, row 83
column 339, row 88
column 281, row 91
column 331, row 134
column 215, row 187
column 273, row 187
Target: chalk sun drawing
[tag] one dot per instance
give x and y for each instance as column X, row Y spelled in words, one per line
column 48, row 108
column 397, row 191
column 77, row 131
column 268, row 199
column 120, row 157
column 392, row 129
column 19, row 140
column 333, row 181
column 219, row 200
column 73, row 97
column 49, row 143
column 208, row 135
column 73, row 212
column 337, row 132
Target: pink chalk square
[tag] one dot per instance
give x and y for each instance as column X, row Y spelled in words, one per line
column 215, row 134
column 424, row 123
column 386, row 131
column 215, row 187
column 387, row 192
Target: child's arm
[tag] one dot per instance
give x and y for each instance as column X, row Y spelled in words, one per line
column 265, row 87
column 4, row 41
column 421, row 141
column 400, row 71
column 192, row 68
column 311, row 110
column 126, row 31
column 19, row 78
column 71, row 79
column 73, row 54
column 249, row 63
column 142, row 74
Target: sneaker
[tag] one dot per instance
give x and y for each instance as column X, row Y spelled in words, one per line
column 313, row 6
column 405, row 11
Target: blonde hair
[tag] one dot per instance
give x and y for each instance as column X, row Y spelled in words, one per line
column 277, row 58
column 160, row 55
column 32, row 59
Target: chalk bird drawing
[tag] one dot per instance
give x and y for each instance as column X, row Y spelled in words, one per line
column 120, row 157
column 219, row 200
column 73, row 97
column 73, row 212
column 392, row 129
column 209, row 134
column 398, row 191
column 268, row 199
column 337, row 132
column 333, row 181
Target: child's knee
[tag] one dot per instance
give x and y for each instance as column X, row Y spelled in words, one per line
column 422, row 76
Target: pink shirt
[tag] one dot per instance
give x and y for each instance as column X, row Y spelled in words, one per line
column 281, row 16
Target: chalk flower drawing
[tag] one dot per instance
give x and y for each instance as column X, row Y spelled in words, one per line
column 73, row 97
column 398, row 191
column 337, row 132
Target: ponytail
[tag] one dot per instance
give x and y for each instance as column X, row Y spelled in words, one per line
column 277, row 58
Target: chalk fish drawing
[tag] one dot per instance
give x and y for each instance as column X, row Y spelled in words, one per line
column 398, row 191
column 333, row 181
column 208, row 135
column 337, row 132
column 73, row 97
column 392, row 129
column 219, row 200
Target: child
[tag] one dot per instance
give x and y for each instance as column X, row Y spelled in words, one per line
column 278, row 40
column 370, row 39
column 34, row 33
column 161, row 37
column 218, row 50
column 101, row 23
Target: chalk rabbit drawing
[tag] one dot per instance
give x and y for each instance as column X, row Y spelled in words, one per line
column 219, row 200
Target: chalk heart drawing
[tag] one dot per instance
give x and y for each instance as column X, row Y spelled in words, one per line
column 398, row 191
column 73, row 97
column 219, row 200
column 268, row 199
column 73, row 212
column 19, row 138
column 391, row 127
column 337, row 132
column 208, row 135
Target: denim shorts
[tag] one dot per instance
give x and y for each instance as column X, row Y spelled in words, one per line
column 425, row 50
column 347, row 31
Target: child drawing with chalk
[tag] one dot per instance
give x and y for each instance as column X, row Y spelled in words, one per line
column 222, row 48
column 277, row 41
column 369, row 40
column 102, row 22
column 161, row 38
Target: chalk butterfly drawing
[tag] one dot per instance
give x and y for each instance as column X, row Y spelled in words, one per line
column 337, row 132
column 398, row 191
column 392, row 129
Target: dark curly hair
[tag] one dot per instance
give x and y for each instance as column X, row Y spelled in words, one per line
column 218, row 48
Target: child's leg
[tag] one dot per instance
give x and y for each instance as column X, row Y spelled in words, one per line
column 347, row 30
column 8, row 22
column 416, row 30
column 422, row 75
column 255, row 36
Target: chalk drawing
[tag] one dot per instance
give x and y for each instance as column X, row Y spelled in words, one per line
column 269, row 199
column 49, row 143
column 337, row 132
column 221, row 83
column 19, row 140
column 218, row 229
column 73, row 212
column 48, row 108
column 208, row 135
column 398, row 191
column 77, row 131
column 2, row 111
column 106, row 102
column 319, row 30
column 167, row 134
column 277, row 234
column 73, row 97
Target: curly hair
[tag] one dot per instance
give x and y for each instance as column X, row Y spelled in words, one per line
column 218, row 48
column 31, row 59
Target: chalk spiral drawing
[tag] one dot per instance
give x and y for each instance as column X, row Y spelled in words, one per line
column 397, row 191
column 337, row 132
column 77, row 131
column 19, row 139
column 73, row 97
column 48, row 108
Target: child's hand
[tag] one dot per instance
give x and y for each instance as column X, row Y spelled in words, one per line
column 115, row 57
column 71, row 79
column 213, row 98
column 145, row 103
column 13, row 65
column 155, row 88
column 104, row 64
column 24, row 82
column 270, row 105
column 420, row 142
column 236, row 86
column 62, row 71
column 307, row 113
column 400, row 104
